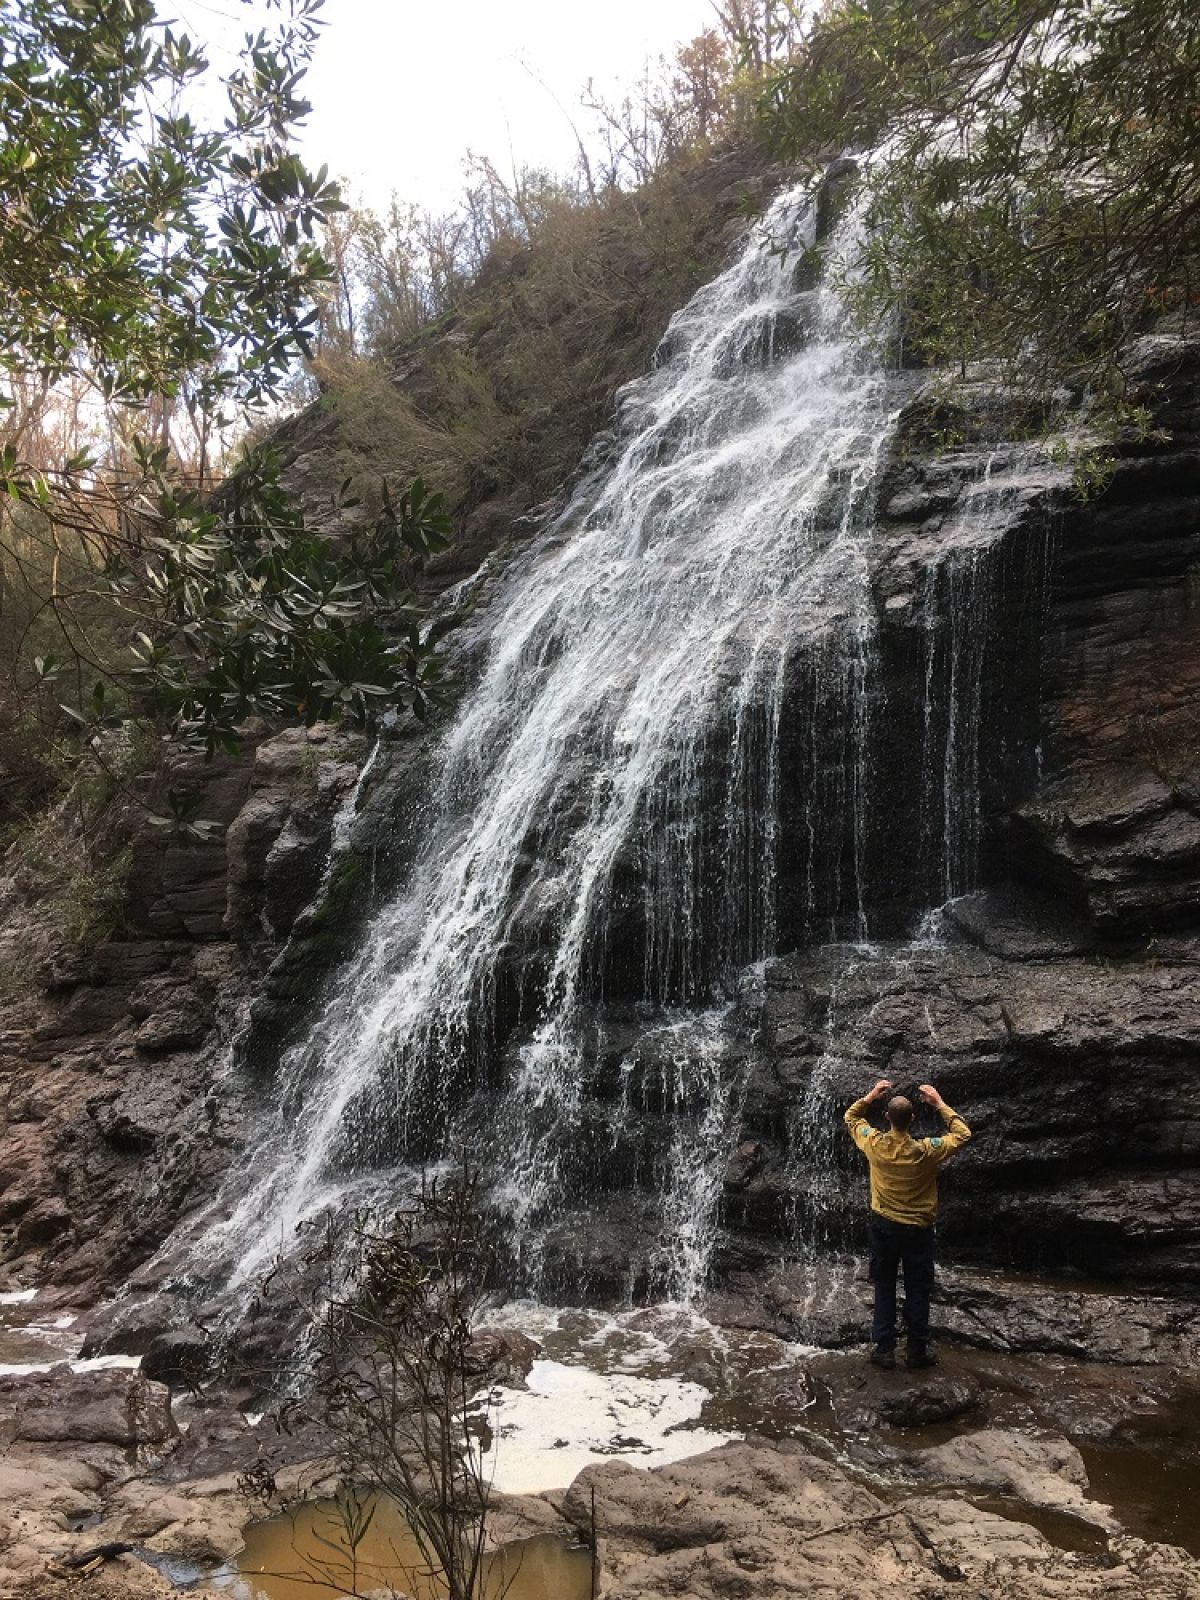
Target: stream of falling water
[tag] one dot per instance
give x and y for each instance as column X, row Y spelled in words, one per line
column 960, row 594
column 607, row 797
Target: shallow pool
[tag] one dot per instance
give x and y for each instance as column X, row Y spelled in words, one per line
column 306, row 1555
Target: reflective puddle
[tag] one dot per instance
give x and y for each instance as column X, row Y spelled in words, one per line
column 307, row 1556
column 1154, row 1495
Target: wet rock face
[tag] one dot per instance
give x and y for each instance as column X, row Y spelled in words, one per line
column 1076, row 1074
column 828, row 1303
column 182, row 1358
column 1063, row 695
column 1057, row 1005
column 1115, row 821
column 111, row 1119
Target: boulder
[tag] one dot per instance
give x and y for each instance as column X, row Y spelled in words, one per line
column 182, row 1358
column 502, row 1355
column 1044, row 1473
column 774, row 1523
column 110, row 1406
column 916, row 1405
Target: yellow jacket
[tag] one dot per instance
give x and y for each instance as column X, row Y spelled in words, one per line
column 904, row 1169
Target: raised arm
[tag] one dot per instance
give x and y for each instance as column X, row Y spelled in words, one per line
column 856, row 1117
column 957, row 1133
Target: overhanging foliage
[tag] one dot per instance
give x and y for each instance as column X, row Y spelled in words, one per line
column 1030, row 175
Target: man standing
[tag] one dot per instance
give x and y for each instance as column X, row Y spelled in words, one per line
column 903, row 1209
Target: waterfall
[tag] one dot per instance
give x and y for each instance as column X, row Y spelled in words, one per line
column 714, row 708
column 702, row 1098
column 968, row 597
column 605, row 817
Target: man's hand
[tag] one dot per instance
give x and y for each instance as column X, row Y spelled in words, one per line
column 930, row 1096
column 880, row 1089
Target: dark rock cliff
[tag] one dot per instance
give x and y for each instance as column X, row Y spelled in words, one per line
column 1034, row 766
column 1035, row 763
column 116, row 1108
column 1063, row 1013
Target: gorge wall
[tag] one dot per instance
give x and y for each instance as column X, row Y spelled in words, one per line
column 1055, row 997
column 1019, row 744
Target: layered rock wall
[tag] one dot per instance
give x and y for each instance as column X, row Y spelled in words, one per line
column 1058, row 1005
column 116, row 1105
column 1034, row 726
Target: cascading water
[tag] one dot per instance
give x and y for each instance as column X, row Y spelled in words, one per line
column 983, row 592
column 666, row 763
column 606, row 815
column 703, row 1098
column 960, row 604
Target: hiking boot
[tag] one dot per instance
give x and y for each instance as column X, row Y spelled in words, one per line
column 884, row 1356
column 920, row 1355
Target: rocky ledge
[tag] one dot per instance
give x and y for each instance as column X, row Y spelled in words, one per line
column 776, row 1520
column 1076, row 1069
column 987, row 1477
column 115, row 1111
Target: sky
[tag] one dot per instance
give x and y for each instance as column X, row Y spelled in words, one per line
column 401, row 89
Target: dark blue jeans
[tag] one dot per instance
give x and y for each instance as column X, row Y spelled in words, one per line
column 893, row 1245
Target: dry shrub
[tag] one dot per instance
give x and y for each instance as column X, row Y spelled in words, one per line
column 506, row 388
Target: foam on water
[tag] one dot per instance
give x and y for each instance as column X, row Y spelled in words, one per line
column 31, row 1340
column 10, row 1369
column 617, row 1385
column 568, row 1418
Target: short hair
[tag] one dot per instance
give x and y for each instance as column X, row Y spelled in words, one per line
column 900, row 1112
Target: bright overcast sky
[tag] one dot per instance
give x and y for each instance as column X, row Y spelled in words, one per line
column 401, row 90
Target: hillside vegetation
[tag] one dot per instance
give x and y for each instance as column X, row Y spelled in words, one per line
column 1029, row 172
column 484, row 347
column 150, row 567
